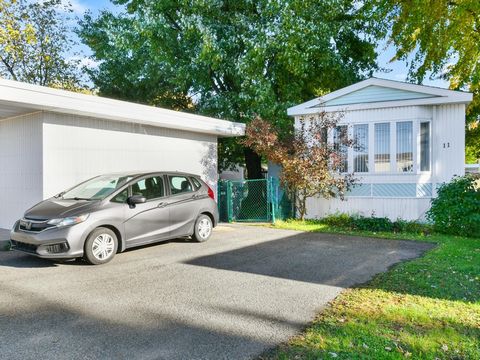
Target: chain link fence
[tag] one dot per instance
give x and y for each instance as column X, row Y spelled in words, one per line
column 258, row 200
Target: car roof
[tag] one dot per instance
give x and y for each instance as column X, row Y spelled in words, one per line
column 144, row 173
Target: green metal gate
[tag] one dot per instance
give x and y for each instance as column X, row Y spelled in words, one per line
column 259, row 200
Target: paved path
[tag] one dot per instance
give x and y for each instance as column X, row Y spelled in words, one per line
column 244, row 291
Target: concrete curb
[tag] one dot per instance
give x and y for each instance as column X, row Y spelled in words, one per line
column 4, row 245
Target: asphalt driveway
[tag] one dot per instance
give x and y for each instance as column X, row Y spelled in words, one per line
column 244, row 291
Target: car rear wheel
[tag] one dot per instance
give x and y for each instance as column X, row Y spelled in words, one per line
column 101, row 246
column 203, row 228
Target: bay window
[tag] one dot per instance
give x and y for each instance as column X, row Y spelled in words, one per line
column 384, row 147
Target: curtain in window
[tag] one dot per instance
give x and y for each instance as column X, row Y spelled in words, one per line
column 382, row 147
column 360, row 156
column 404, row 146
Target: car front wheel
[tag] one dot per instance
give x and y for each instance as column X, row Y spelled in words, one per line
column 203, row 228
column 101, row 246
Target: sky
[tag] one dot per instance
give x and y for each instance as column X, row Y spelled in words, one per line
column 398, row 70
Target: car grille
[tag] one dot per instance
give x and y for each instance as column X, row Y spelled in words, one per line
column 17, row 245
column 34, row 226
column 57, row 248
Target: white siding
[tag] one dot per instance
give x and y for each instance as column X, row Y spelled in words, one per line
column 393, row 208
column 374, row 93
column 20, row 166
column 448, row 142
column 77, row 148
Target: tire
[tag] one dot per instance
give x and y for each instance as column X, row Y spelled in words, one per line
column 101, row 246
column 203, row 228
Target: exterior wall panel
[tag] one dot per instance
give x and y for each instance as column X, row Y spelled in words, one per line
column 393, row 208
column 20, row 166
column 448, row 142
column 375, row 93
column 77, row 148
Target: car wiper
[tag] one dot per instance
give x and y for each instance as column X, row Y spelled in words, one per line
column 78, row 198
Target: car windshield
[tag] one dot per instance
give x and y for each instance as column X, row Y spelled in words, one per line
column 97, row 188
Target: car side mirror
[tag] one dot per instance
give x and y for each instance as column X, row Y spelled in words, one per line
column 136, row 199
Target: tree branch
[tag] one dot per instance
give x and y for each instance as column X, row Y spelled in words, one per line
column 9, row 68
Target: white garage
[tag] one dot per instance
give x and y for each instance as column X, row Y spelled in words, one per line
column 52, row 139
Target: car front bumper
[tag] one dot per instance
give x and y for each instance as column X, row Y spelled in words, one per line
column 53, row 243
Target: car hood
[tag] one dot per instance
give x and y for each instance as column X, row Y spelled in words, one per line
column 59, row 208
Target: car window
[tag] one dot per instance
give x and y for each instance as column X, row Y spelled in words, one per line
column 97, row 188
column 179, row 184
column 196, row 183
column 151, row 188
column 121, row 197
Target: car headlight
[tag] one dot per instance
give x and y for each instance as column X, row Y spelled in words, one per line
column 68, row 220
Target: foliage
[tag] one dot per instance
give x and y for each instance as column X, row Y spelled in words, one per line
column 439, row 37
column 347, row 222
column 456, row 209
column 472, row 143
column 427, row 308
column 311, row 165
column 230, row 59
column 34, row 40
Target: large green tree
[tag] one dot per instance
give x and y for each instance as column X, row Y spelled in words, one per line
column 233, row 59
column 438, row 38
column 35, row 43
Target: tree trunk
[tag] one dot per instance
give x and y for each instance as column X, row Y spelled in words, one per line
column 302, row 206
column 254, row 206
column 253, row 163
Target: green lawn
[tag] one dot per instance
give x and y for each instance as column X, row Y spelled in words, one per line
column 426, row 308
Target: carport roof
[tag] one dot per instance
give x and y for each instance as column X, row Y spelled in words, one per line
column 18, row 98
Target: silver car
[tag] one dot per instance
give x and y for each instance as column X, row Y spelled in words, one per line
column 111, row 213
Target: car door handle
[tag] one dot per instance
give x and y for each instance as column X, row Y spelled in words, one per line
column 162, row 204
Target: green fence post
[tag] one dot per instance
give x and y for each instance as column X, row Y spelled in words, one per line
column 219, row 196
column 268, row 199
column 273, row 198
column 229, row 202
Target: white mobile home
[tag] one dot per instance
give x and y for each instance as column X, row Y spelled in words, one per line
column 52, row 139
column 409, row 138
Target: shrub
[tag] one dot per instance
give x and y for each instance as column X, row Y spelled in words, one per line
column 411, row 227
column 456, row 209
column 343, row 221
column 372, row 224
column 376, row 224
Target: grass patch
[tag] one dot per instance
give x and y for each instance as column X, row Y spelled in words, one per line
column 427, row 308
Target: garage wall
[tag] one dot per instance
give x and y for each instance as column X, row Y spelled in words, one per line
column 20, row 166
column 77, row 148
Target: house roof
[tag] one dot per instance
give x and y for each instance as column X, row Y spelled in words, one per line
column 18, row 98
column 380, row 93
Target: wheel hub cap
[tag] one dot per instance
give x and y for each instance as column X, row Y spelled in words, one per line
column 204, row 228
column 102, row 247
